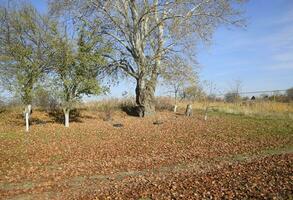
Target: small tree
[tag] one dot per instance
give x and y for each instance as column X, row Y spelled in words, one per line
column 77, row 64
column 178, row 75
column 231, row 97
column 24, row 53
column 234, row 94
column 209, row 97
column 193, row 92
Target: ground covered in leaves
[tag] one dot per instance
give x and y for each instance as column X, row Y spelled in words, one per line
column 177, row 157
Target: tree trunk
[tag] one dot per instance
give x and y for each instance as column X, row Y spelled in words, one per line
column 66, row 116
column 206, row 113
column 145, row 98
column 175, row 105
column 27, row 122
column 27, row 113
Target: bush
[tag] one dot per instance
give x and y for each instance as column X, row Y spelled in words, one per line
column 164, row 103
column 232, row 97
column 107, row 112
column 106, row 107
column 44, row 100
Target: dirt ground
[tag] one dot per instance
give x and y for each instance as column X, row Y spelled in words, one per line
column 227, row 156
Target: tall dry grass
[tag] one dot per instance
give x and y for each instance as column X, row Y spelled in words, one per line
column 265, row 108
column 257, row 107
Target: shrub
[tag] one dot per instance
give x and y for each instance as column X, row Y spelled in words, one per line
column 45, row 100
column 232, row 97
column 164, row 103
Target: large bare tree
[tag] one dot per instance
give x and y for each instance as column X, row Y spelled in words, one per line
column 147, row 32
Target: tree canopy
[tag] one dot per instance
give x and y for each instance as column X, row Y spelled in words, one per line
column 24, row 54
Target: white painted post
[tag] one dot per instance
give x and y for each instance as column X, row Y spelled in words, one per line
column 27, row 113
column 26, row 121
column 29, row 109
column 66, row 113
column 206, row 114
column 175, row 108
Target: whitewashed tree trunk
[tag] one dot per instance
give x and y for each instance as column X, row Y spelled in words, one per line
column 175, row 109
column 66, row 117
column 175, row 104
column 27, row 113
column 206, row 114
column 26, row 122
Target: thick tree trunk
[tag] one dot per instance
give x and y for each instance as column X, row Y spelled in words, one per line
column 66, row 116
column 145, row 98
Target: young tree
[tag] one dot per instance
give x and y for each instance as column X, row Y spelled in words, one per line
column 234, row 94
column 193, row 92
column 145, row 33
column 24, row 52
column 177, row 76
column 76, row 66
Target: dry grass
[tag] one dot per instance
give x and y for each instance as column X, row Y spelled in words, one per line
column 260, row 108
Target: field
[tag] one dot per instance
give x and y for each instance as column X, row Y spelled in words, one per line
column 227, row 156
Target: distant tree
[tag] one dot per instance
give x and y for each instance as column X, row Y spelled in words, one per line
column 24, row 51
column 264, row 96
column 232, row 97
column 193, row 92
column 234, row 94
column 177, row 76
column 77, row 64
column 246, row 98
column 289, row 94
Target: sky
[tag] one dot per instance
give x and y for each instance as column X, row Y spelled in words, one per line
column 260, row 55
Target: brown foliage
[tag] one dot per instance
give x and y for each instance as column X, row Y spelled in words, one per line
column 181, row 158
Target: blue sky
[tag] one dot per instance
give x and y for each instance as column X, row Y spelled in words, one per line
column 259, row 55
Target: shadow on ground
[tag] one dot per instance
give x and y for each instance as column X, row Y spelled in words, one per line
column 130, row 110
column 58, row 116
